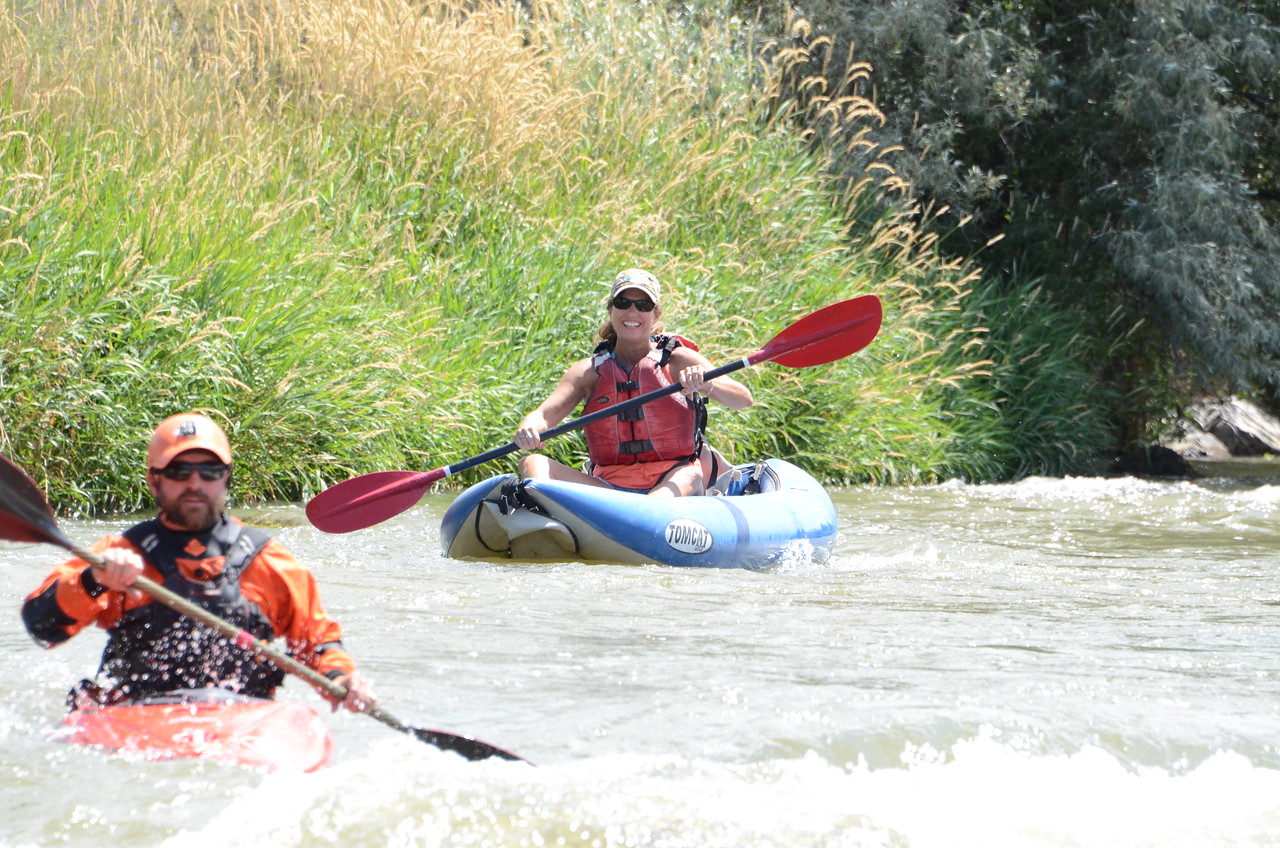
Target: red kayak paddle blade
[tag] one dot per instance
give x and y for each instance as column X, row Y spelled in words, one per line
column 368, row 499
column 25, row 515
column 831, row 333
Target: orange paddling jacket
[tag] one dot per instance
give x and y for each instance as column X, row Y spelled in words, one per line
column 236, row 572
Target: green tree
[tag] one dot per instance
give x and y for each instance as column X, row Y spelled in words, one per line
column 1123, row 151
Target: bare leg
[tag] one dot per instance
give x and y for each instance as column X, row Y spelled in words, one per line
column 680, row 482
column 539, row 467
column 713, row 465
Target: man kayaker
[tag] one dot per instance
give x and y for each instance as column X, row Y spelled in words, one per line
column 193, row 548
column 656, row 448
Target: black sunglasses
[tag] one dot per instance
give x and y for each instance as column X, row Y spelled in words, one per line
column 620, row 303
column 183, row 470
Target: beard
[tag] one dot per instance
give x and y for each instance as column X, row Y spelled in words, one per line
column 191, row 510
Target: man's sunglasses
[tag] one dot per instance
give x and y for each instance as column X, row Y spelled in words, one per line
column 183, row 470
column 621, row 303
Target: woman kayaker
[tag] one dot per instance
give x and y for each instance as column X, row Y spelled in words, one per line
column 656, row 448
column 193, row 548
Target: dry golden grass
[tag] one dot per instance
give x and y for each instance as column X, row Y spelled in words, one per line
column 364, row 229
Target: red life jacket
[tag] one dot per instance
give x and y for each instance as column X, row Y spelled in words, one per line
column 669, row 428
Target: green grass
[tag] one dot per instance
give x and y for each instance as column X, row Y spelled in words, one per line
column 372, row 235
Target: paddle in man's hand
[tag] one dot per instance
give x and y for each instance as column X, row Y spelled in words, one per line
column 25, row 516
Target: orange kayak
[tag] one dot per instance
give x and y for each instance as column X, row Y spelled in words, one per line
column 262, row 734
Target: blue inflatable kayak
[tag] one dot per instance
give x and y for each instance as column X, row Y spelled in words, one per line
column 767, row 513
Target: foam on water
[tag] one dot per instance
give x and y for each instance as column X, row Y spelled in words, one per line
column 982, row 794
column 1048, row 663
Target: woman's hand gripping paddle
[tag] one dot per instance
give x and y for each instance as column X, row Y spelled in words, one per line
column 25, row 516
column 831, row 333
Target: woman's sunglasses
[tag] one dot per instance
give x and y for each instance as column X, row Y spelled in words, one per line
column 620, row 303
column 183, row 470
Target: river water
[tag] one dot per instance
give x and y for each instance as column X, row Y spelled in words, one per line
column 1075, row 662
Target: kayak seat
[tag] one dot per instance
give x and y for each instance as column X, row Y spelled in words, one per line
column 729, row 484
column 747, row 480
column 762, row 478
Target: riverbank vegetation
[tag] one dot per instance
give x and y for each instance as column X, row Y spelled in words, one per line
column 371, row 235
column 1125, row 153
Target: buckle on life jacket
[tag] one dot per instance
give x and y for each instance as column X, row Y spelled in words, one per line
column 634, row 447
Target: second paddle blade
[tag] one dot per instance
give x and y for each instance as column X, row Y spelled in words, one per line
column 367, row 500
column 837, row 331
column 25, row 515
column 471, row 749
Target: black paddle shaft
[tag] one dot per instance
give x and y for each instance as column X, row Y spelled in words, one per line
column 590, row 418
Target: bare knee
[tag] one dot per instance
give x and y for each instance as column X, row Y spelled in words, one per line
column 683, row 482
column 534, row 465
column 713, row 465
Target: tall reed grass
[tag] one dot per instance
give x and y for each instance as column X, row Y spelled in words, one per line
column 372, row 234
